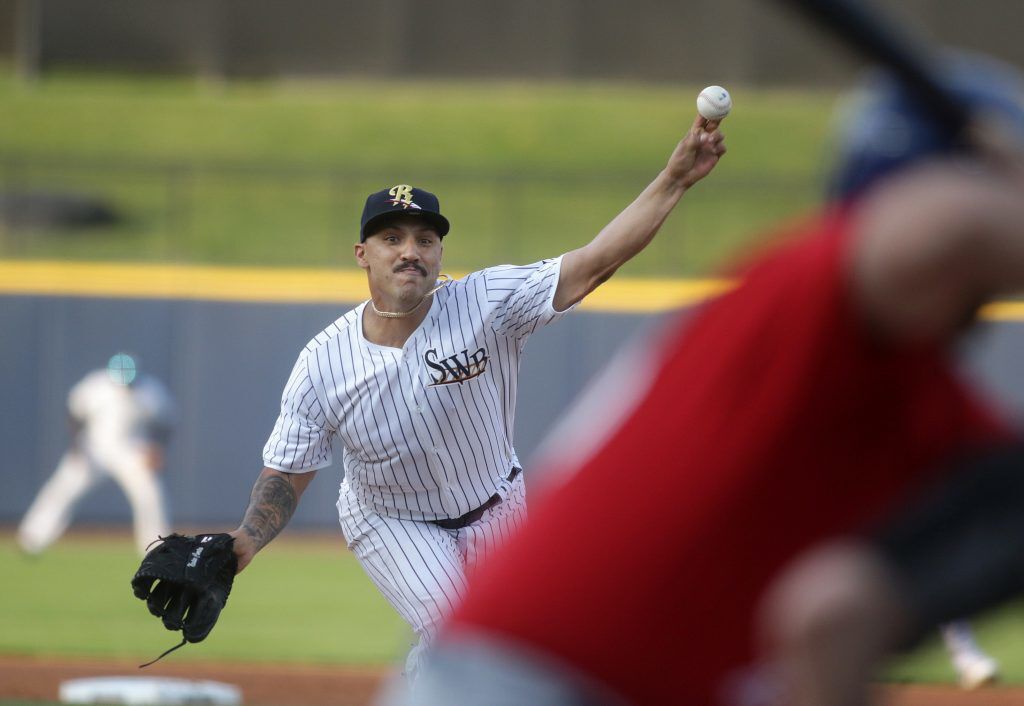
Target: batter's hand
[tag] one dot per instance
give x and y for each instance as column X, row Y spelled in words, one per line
column 698, row 153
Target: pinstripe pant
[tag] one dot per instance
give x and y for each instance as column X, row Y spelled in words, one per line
column 419, row 567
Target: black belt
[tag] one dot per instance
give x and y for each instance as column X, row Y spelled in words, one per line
column 472, row 516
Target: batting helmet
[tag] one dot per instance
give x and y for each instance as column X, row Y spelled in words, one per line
column 883, row 128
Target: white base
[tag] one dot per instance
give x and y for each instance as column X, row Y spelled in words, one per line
column 148, row 691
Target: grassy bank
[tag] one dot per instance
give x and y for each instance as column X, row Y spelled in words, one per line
column 275, row 173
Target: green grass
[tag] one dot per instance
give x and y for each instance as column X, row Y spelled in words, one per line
column 303, row 600
column 275, row 173
column 299, row 602
column 1000, row 633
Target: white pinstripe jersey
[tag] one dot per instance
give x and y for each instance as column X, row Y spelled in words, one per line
column 426, row 429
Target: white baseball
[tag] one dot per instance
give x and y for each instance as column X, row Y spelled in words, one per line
column 714, row 103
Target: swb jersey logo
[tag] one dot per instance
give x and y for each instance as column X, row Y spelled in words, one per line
column 455, row 368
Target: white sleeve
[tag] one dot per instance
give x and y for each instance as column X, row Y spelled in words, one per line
column 524, row 295
column 301, row 440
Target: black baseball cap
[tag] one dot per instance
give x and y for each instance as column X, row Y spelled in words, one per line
column 401, row 200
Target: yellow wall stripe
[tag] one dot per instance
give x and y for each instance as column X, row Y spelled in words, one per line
column 264, row 284
column 1004, row 311
column 294, row 285
column 150, row 281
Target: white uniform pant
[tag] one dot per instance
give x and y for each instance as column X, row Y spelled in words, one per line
column 419, row 567
column 78, row 473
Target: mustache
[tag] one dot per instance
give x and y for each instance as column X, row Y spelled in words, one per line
column 411, row 266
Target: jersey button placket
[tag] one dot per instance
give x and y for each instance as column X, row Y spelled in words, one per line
column 415, row 396
column 413, row 390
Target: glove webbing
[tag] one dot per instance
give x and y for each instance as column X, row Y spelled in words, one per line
column 164, row 654
column 180, row 644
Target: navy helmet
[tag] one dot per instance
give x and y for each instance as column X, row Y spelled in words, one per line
column 883, row 128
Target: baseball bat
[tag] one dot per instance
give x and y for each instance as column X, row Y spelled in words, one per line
column 865, row 29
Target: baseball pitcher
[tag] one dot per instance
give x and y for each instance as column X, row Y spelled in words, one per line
column 418, row 384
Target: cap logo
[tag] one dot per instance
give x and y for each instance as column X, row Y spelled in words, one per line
column 401, row 195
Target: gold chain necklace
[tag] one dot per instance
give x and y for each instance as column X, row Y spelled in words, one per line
column 402, row 314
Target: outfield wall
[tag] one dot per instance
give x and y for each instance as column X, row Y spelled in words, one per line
column 226, row 363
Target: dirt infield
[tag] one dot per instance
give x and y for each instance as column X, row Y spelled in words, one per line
column 38, row 679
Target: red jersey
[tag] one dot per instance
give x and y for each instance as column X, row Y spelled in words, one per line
column 775, row 420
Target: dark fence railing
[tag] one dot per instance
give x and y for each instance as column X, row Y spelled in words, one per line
column 750, row 41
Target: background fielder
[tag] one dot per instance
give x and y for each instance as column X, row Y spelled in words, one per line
column 419, row 386
column 120, row 421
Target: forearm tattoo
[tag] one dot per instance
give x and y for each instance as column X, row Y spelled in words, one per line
column 271, row 505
